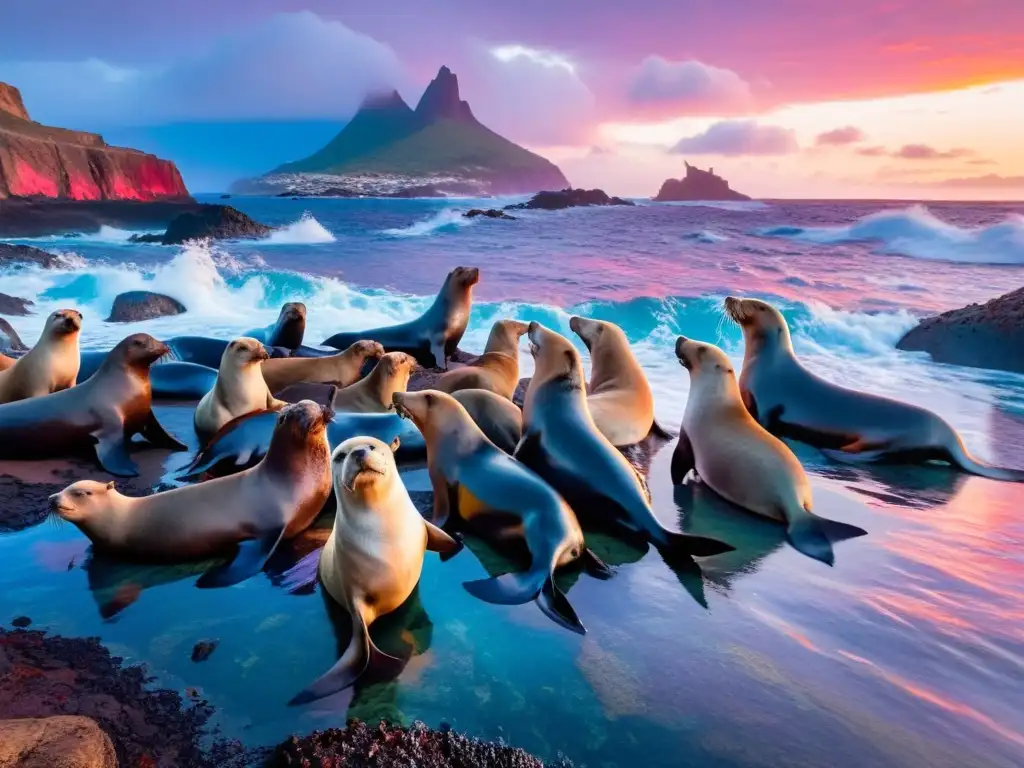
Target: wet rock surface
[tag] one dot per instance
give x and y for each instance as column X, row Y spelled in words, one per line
column 55, row 742
column 568, row 198
column 490, row 213
column 11, row 254
column 217, row 222
column 133, row 306
column 13, row 305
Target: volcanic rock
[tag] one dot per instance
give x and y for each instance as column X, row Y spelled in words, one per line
column 12, row 305
column 568, row 198
column 218, row 222
column 55, row 742
column 491, row 213
column 11, row 254
column 697, row 185
column 133, row 306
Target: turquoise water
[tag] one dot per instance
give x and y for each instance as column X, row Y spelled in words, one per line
column 910, row 651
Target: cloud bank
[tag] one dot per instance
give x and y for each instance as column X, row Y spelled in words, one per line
column 739, row 137
column 686, row 87
column 840, row 136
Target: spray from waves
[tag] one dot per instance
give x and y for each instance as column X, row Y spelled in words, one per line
column 306, row 231
column 706, row 237
column 918, row 233
column 447, row 220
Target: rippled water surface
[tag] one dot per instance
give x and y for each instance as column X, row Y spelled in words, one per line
column 910, row 651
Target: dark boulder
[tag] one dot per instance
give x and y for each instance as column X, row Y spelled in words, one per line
column 491, row 213
column 989, row 335
column 11, row 254
column 12, row 305
column 568, row 198
column 133, row 306
column 218, row 222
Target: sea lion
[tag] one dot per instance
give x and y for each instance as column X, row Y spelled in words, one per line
column 103, row 412
column 497, row 417
column 9, row 339
column 497, row 369
column 790, row 401
column 373, row 394
column 51, row 365
column 255, row 509
column 563, row 445
column 433, row 336
column 240, row 388
column 6, row 362
column 740, row 460
column 499, row 498
column 343, row 368
column 373, row 557
column 287, row 331
column 181, row 381
column 619, row 398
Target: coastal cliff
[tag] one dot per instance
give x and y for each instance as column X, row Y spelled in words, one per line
column 697, row 185
column 38, row 161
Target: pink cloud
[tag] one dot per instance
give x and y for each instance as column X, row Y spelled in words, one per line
column 686, row 87
column 739, row 137
column 926, row 152
column 846, row 135
column 989, row 181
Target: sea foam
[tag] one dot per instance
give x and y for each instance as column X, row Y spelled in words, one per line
column 446, row 220
column 306, row 231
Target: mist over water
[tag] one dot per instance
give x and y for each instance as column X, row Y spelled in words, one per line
column 908, row 652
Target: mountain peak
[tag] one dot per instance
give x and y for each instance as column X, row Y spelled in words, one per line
column 441, row 100
column 10, row 101
column 386, row 100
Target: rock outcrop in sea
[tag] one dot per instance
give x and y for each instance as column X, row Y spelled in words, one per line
column 697, row 185
column 17, row 255
column 391, row 150
column 217, row 222
column 14, row 305
column 989, row 335
column 568, row 198
column 132, row 306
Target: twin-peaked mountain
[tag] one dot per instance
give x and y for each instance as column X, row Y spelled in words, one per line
column 440, row 144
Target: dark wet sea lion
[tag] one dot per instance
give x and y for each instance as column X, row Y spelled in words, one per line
column 433, row 336
column 563, row 445
column 181, row 381
column 498, row 497
column 104, row 413
column 790, row 401
column 287, row 331
column 743, row 462
column 255, row 509
column 496, row 370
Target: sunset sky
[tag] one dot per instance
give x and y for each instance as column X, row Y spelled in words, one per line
column 786, row 98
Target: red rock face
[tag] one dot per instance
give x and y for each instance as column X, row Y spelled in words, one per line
column 10, row 101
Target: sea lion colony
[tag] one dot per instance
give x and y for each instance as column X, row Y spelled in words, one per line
column 564, row 477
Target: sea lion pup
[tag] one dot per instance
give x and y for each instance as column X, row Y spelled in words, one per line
column 254, row 509
column 240, row 388
column 51, row 365
column 373, row 394
column 740, row 460
column 373, row 557
column 563, row 445
column 102, row 413
column 619, row 397
column 287, row 331
column 499, row 498
column 497, row 369
column 433, row 336
column 846, row 425
column 343, row 368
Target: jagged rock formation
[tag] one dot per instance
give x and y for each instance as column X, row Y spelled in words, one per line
column 14, row 305
column 439, row 147
column 490, row 213
column 133, row 306
column 989, row 335
column 56, row 163
column 697, row 185
column 218, row 222
column 11, row 254
column 568, row 198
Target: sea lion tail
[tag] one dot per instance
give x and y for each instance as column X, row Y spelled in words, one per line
column 522, row 587
column 814, row 536
column 675, row 546
column 960, row 457
column 341, row 340
column 251, row 557
column 660, row 432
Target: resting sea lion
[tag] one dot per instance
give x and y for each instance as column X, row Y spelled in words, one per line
column 240, row 388
column 255, row 509
column 499, row 498
column 619, row 398
column 373, row 557
column 373, row 394
column 287, row 331
column 433, row 336
column 740, row 460
column 790, row 401
column 105, row 412
column 6, row 362
column 343, row 368
column 51, row 365
column 563, row 445
column 497, row 369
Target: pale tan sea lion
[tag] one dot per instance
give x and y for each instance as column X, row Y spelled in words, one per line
column 342, row 369
column 373, row 394
column 497, row 369
column 254, row 509
column 790, row 401
column 373, row 557
column 6, row 362
column 51, row 365
column 239, row 389
column 740, row 460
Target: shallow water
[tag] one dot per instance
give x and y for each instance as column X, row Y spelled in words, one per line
column 910, row 651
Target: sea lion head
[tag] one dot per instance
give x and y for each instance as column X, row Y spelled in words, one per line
column 80, row 502
column 425, row 407
column 63, row 322
column 365, row 350
column 554, row 357
column 360, row 463
column 702, row 359
column 463, row 278
column 396, row 367
column 293, row 311
column 505, row 335
column 299, row 428
column 138, row 351
column 761, row 322
column 594, row 332
column 304, row 418
column 243, row 352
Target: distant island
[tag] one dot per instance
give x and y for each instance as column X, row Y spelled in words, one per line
column 697, row 185
column 388, row 149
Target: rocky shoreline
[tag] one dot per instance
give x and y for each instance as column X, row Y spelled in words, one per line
column 37, row 217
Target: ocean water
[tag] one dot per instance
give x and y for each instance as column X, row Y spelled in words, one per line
column 910, row 651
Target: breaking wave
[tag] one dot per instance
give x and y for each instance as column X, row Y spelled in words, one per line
column 447, row 220
column 306, row 231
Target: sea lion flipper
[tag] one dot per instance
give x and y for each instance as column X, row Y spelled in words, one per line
column 594, row 565
column 113, row 456
column 555, row 605
column 674, row 545
column 683, row 458
column 439, row 541
column 846, row 457
column 437, row 350
column 349, row 667
column 154, row 433
column 251, row 557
